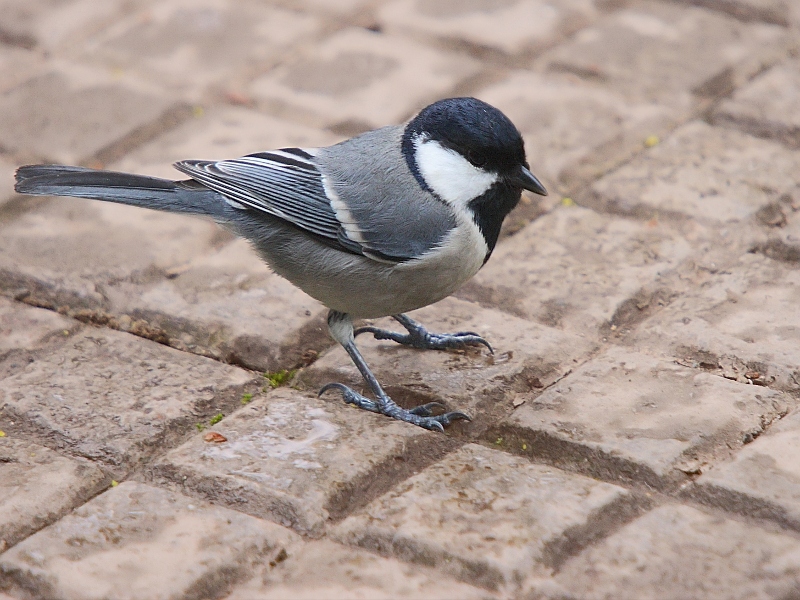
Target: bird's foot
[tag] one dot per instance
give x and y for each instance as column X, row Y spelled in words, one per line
column 419, row 337
column 422, row 415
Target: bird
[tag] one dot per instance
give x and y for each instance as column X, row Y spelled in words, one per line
column 378, row 225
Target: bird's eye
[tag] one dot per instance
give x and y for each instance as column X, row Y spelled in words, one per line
column 477, row 158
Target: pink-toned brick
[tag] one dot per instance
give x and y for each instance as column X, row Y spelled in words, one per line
column 352, row 78
column 299, row 460
column 135, row 541
column 488, row 518
column 680, row 552
column 667, row 53
column 508, row 25
column 328, row 570
column 37, row 486
column 189, row 46
column 113, row 397
column 628, row 416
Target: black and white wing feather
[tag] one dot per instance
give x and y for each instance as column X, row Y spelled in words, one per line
column 283, row 183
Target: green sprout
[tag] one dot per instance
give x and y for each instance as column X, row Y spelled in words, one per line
column 246, row 398
column 279, row 378
column 216, row 419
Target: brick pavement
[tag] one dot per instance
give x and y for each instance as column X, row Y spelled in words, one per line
column 635, row 436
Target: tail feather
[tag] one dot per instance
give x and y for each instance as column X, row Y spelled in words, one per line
column 123, row 188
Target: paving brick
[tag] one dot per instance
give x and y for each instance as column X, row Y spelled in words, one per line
column 188, row 45
column 528, row 358
column 577, row 270
column 50, row 23
column 329, row 8
column 299, row 460
column 767, row 106
column 17, row 65
column 740, row 324
column 25, row 328
column 671, row 54
column 227, row 305
column 574, row 129
column 779, row 12
column 351, row 80
column 484, row 516
column 219, row 133
column 73, row 254
column 37, row 486
column 136, row 541
column 628, row 416
column 762, row 480
column 703, row 172
column 72, row 112
column 510, row 25
column 114, row 397
column 679, row 552
column 327, row 570
column 7, row 169
column 777, row 234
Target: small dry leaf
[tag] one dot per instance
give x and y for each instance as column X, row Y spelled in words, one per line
column 213, row 436
column 753, row 375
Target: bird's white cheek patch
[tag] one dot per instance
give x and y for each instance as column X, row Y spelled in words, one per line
column 451, row 176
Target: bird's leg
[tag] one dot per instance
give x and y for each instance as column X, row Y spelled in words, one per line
column 419, row 337
column 341, row 328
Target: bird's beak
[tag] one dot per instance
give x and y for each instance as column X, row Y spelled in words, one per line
column 528, row 181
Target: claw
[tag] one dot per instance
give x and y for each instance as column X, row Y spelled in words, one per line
column 447, row 418
column 426, row 410
column 419, row 337
column 420, row 416
column 330, row 386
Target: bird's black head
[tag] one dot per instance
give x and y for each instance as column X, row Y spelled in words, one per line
column 469, row 154
column 476, row 130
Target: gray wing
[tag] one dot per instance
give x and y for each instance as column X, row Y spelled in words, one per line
column 358, row 196
column 283, row 183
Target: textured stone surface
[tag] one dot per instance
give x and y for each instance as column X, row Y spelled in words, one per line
column 135, row 541
column 768, row 106
column 741, row 324
column 509, row 25
column 24, row 327
column 706, row 172
column 528, row 358
column 484, row 516
column 780, row 12
column 114, row 397
column 351, row 79
column 37, row 486
column 328, row 570
column 298, row 460
column 52, row 23
column 72, row 112
column 639, row 417
column 216, row 134
column 578, row 270
column 574, row 129
column 7, row 169
column 630, row 416
column 188, row 45
column 763, row 479
column 680, row 552
column 668, row 54
column 227, row 305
